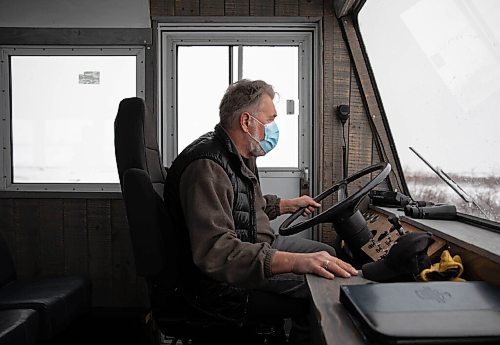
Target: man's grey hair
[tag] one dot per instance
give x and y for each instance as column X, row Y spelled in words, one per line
column 244, row 95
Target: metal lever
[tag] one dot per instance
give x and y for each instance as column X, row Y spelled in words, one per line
column 304, row 180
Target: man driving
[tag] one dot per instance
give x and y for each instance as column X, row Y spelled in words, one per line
column 214, row 195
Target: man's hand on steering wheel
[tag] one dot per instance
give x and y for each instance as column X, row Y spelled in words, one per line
column 342, row 209
column 292, row 205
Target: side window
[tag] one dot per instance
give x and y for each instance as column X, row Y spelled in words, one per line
column 197, row 68
column 280, row 67
column 277, row 65
column 199, row 90
column 62, row 104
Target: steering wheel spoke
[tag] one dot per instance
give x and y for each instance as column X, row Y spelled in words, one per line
column 342, row 193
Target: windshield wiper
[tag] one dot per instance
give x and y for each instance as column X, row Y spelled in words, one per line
column 452, row 183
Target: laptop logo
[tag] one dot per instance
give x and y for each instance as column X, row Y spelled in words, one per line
column 428, row 293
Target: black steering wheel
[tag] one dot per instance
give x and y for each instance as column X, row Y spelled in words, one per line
column 342, row 211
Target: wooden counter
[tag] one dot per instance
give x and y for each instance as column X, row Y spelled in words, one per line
column 332, row 324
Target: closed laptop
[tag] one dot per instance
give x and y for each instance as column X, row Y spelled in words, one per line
column 425, row 313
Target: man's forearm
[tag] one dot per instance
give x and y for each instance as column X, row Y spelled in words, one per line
column 285, row 206
column 282, row 262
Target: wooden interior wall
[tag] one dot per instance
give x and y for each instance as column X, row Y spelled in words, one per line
column 340, row 87
column 90, row 236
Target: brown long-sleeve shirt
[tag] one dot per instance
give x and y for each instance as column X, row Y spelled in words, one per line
column 206, row 195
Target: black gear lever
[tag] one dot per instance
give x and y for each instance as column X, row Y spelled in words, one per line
column 396, row 225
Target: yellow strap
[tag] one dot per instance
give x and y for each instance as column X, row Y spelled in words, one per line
column 447, row 262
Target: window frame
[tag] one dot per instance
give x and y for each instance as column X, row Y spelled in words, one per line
column 7, row 184
column 232, row 39
column 217, row 28
column 304, row 35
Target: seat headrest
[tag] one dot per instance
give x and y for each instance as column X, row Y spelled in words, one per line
column 136, row 143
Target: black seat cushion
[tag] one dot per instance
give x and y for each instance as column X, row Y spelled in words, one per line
column 58, row 301
column 18, row 327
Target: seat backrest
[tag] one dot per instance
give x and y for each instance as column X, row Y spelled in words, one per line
column 153, row 242
column 142, row 177
column 136, row 142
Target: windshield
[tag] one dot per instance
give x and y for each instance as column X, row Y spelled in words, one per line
column 437, row 68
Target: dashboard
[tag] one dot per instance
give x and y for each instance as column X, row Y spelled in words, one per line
column 479, row 248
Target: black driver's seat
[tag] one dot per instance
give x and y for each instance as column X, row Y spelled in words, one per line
column 155, row 246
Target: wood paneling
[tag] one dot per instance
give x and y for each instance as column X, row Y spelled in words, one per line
column 187, row 8
column 360, row 138
column 211, row 7
column 51, row 237
column 261, row 8
column 157, row 8
column 286, row 7
column 169, row 8
column 27, row 226
column 7, row 228
column 311, row 8
column 329, row 122
column 237, row 7
column 99, row 235
column 76, row 243
column 336, row 91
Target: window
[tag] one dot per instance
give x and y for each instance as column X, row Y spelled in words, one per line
column 200, row 60
column 198, row 65
column 62, row 105
column 277, row 65
column 200, row 89
column 437, row 69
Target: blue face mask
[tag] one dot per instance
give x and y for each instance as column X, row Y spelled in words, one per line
column 271, row 137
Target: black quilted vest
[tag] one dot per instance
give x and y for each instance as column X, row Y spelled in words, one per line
column 221, row 299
